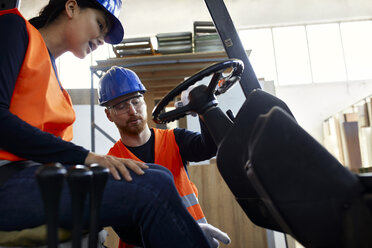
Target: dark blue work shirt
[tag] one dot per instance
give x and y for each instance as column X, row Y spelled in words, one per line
column 193, row 146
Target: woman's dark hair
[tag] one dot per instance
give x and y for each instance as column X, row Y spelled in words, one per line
column 51, row 11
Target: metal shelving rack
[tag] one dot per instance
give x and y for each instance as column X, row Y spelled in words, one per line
column 231, row 42
column 178, row 65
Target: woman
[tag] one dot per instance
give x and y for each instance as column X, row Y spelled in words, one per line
column 36, row 127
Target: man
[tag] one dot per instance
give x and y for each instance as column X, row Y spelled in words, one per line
column 121, row 92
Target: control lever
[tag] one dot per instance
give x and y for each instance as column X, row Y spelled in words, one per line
column 100, row 176
column 50, row 178
column 79, row 178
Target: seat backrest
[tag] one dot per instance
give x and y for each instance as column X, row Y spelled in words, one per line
column 232, row 156
column 302, row 184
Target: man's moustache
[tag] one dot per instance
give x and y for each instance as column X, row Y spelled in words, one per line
column 135, row 119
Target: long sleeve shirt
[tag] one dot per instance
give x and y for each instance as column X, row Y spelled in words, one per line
column 17, row 136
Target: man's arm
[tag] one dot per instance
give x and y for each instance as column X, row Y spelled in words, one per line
column 195, row 146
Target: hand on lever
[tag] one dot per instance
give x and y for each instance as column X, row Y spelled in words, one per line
column 214, row 234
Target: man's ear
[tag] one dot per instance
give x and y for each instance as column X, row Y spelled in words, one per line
column 108, row 114
column 71, row 7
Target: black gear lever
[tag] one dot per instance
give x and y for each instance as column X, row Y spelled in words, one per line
column 79, row 178
column 100, row 176
column 50, row 178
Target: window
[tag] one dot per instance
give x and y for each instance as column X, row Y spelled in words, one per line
column 292, row 58
column 325, row 50
column 357, row 41
column 259, row 41
column 75, row 73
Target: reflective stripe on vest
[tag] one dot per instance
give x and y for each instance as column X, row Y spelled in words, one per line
column 192, row 204
column 4, row 162
column 37, row 97
column 167, row 154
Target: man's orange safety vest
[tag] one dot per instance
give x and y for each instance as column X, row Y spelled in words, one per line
column 38, row 99
column 168, row 155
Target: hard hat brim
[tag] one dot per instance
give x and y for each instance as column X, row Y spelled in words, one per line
column 116, row 33
column 112, row 8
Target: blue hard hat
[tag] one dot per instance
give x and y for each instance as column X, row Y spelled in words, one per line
column 116, row 33
column 117, row 82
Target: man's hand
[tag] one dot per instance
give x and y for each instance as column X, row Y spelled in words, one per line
column 214, row 234
column 185, row 98
column 116, row 165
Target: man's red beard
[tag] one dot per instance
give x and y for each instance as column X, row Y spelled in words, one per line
column 133, row 129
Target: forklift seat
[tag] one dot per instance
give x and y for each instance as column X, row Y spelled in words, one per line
column 285, row 180
column 232, row 156
column 309, row 193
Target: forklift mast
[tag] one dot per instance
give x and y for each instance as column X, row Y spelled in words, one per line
column 232, row 44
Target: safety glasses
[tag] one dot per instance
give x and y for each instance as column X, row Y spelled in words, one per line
column 124, row 106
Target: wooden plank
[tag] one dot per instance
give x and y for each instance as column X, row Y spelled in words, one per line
column 171, row 66
column 182, row 58
column 351, row 133
column 112, row 240
column 351, row 117
column 332, row 138
column 365, row 138
column 363, row 117
column 222, row 210
column 340, row 142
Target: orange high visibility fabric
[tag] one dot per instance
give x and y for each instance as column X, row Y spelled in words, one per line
column 37, row 97
column 168, row 155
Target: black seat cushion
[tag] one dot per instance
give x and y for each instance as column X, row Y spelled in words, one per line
column 302, row 181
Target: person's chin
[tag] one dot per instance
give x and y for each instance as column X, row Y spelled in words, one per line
column 80, row 55
column 136, row 129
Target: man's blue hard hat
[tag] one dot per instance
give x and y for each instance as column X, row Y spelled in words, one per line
column 117, row 82
column 116, row 33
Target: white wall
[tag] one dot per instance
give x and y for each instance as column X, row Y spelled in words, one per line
column 82, row 131
column 312, row 104
column 309, row 103
column 148, row 17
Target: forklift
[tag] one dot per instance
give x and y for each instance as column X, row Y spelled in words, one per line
column 282, row 178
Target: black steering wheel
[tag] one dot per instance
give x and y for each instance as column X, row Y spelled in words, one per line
column 201, row 97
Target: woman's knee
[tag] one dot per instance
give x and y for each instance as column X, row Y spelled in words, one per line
column 155, row 182
column 160, row 178
column 160, row 168
column 128, row 201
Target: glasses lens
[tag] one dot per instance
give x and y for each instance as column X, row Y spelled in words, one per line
column 124, row 106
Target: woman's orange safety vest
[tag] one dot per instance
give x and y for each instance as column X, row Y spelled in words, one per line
column 38, row 99
column 167, row 154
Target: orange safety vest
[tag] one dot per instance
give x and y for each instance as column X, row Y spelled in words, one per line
column 38, row 99
column 168, row 155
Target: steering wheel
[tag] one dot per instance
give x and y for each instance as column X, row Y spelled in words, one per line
column 201, row 97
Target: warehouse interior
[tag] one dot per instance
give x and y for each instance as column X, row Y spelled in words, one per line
column 316, row 56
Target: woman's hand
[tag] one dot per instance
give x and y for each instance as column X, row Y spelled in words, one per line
column 116, row 165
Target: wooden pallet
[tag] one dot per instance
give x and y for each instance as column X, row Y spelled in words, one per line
column 134, row 47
